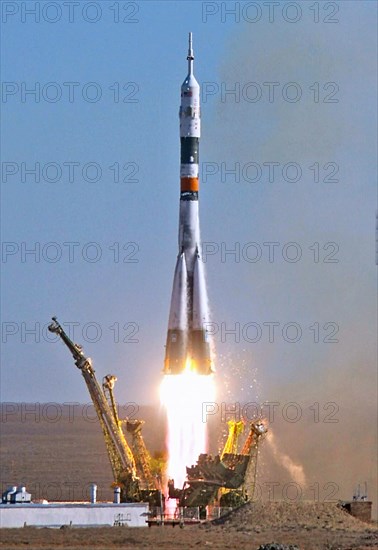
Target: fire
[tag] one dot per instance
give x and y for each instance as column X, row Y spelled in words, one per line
column 183, row 396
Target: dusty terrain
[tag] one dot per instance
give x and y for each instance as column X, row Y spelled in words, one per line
column 308, row 526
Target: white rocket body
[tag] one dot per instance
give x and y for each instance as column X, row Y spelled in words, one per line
column 187, row 340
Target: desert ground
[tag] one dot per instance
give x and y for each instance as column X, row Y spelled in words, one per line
column 305, row 526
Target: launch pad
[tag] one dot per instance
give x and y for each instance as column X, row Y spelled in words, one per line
column 227, row 479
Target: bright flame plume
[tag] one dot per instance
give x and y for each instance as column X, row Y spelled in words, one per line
column 183, row 396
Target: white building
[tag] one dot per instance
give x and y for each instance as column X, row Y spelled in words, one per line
column 73, row 514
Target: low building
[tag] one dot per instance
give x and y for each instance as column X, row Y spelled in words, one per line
column 75, row 514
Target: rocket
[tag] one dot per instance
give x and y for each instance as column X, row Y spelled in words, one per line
column 187, row 346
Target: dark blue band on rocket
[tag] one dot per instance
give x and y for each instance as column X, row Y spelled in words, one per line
column 189, row 150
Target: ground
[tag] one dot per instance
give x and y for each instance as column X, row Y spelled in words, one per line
column 309, row 526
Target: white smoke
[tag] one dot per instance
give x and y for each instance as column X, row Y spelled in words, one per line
column 295, row 470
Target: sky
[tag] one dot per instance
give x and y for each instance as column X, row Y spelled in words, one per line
column 287, row 199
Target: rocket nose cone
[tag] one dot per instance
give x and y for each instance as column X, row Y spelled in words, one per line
column 189, row 83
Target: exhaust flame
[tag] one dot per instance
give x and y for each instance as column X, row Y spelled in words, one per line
column 295, row 470
column 183, row 396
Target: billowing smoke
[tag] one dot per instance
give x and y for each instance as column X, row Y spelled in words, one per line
column 295, row 470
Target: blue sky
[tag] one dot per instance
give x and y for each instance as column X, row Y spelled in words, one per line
column 331, row 128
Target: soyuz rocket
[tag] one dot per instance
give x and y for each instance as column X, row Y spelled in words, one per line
column 188, row 345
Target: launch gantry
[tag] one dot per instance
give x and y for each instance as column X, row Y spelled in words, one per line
column 220, row 477
column 235, row 429
column 134, row 427
column 127, row 465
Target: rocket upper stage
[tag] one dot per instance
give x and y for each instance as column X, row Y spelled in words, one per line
column 190, row 131
column 187, row 340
